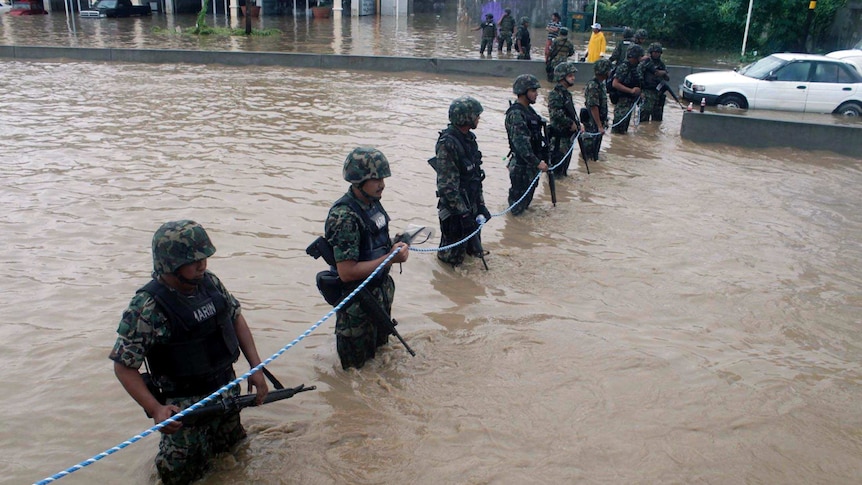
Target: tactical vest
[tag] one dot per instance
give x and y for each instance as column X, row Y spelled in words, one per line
column 619, row 53
column 507, row 25
column 374, row 239
column 629, row 78
column 569, row 109
column 469, row 165
column 534, row 122
column 489, row 30
column 524, row 35
column 650, row 79
column 199, row 354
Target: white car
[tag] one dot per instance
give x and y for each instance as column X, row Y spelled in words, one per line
column 5, row 6
column 853, row 55
column 788, row 82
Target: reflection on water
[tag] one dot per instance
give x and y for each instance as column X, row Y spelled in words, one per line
column 418, row 35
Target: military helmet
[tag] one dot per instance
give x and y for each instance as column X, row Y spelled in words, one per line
column 178, row 243
column 464, row 111
column 640, row 34
column 628, row 33
column 635, row 51
column 524, row 83
column 602, row 67
column 489, row 15
column 365, row 163
column 563, row 69
column 564, row 31
column 525, row 20
column 655, row 47
column 508, row 11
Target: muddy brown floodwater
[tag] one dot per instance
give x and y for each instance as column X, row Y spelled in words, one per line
column 685, row 314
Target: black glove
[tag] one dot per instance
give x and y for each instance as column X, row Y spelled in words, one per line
column 468, row 225
column 484, row 211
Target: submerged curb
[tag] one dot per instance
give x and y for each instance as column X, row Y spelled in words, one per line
column 508, row 68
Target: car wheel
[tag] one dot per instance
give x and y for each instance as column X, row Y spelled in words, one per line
column 849, row 109
column 733, row 101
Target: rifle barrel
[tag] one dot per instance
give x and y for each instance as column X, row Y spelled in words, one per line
column 238, row 403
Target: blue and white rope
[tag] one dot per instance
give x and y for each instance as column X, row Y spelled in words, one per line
column 253, row 370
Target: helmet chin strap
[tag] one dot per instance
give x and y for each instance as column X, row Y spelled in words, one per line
column 186, row 281
column 366, row 194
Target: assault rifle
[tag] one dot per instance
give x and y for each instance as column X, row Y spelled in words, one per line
column 235, row 404
column 334, row 290
column 663, row 87
column 546, row 152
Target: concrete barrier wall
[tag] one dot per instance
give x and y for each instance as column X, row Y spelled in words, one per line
column 754, row 132
column 507, row 68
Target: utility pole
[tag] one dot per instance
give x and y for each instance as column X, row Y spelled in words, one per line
column 806, row 30
column 564, row 13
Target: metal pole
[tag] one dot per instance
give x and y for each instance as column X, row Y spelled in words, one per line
column 564, row 12
column 747, row 23
column 807, row 29
column 595, row 10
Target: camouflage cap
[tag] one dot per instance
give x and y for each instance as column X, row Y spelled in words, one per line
column 177, row 243
column 602, row 67
column 655, row 47
column 525, row 20
column 365, row 163
column 641, row 34
column 563, row 69
column 464, row 111
column 524, row 83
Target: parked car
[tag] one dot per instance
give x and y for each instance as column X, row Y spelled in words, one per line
column 853, row 55
column 116, row 8
column 5, row 7
column 789, row 82
column 27, row 7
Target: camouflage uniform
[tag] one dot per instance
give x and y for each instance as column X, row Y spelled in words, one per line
column 507, row 28
column 522, row 39
column 459, row 188
column 357, row 335
column 560, row 51
column 627, row 73
column 489, row 33
column 653, row 106
column 524, row 130
column 561, row 109
column 595, row 94
column 183, row 456
column 619, row 53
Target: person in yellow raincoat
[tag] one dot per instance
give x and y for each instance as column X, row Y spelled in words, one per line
column 597, row 44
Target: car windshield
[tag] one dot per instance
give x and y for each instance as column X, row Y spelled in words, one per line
column 763, row 67
column 105, row 4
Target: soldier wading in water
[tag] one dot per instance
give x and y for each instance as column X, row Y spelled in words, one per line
column 459, row 181
column 526, row 142
column 357, row 229
column 564, row 118
column 189, row 331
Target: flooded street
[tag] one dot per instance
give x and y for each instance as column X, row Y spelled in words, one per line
column 419, row 35
column 686, row 313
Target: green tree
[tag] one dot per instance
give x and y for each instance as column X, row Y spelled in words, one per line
column 776, row 25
